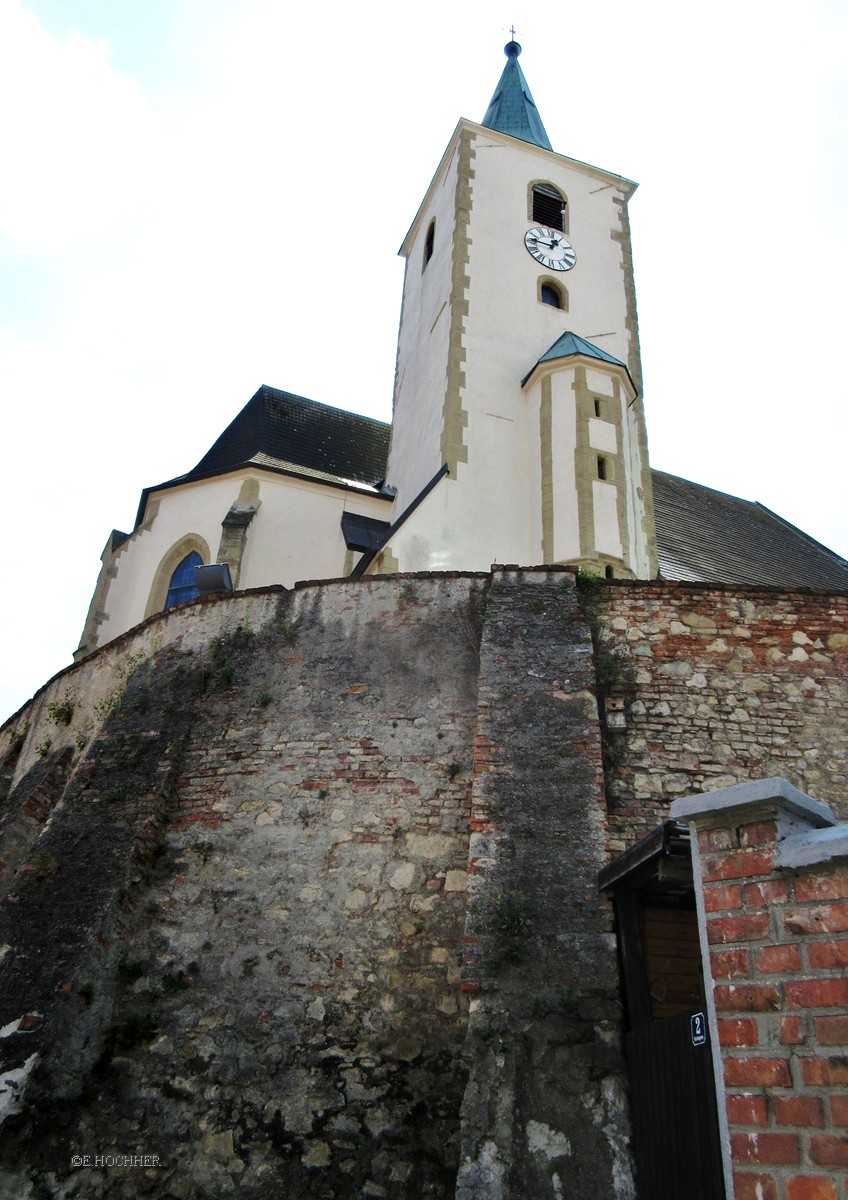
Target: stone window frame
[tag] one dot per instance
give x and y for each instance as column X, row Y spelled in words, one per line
column 547, row 183
column 168, row 564
column 558, row 286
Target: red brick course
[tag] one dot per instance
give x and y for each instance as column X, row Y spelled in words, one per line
column 750, row 997
column 828, row 1151
column 765, row 1148
column 818, row 993
column 737, row 929
column 799, row 1110
column 791, row 1031
column 741, row 865
column 741, row 1032
column 747, row 1110
column 717, row 899
column 825, row 1072
column 757, row 1072
column 832, row 1031
column 750, row 1186
column 775, row 960
column 811, row 1187
column 823, row 955
column 730, row 964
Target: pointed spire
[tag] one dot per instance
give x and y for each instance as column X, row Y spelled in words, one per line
column 512, row 109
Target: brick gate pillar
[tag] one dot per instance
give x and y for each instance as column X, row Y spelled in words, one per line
column 770, row 870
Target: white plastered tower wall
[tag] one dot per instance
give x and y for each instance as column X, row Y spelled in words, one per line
column 472, row 327
column 585, row 414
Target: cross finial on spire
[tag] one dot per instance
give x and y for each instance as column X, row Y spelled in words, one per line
column 512, row 32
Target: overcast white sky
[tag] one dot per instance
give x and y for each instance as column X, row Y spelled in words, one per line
column 167, row 165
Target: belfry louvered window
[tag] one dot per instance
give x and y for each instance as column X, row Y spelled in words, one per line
column 548, row 206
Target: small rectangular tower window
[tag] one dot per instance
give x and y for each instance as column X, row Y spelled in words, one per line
column 429, row 243
column 602, row 468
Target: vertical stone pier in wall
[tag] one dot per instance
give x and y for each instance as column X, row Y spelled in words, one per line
column 543, row 1114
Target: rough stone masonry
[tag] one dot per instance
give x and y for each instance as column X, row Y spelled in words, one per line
column 299, row 887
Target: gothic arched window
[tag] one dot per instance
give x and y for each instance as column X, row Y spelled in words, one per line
column 548, row 206
column 182, row 587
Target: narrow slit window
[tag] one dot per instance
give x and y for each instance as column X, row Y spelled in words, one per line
column 609, row 573
column 597, row 408
column 429, row 242
column 548, row 206
column 602, row 468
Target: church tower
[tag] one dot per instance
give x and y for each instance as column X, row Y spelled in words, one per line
column 518, row 360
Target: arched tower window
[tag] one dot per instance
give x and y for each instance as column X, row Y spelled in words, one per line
column 182, row 587
column 552, row 292
column 428, row 243
column 548, row 206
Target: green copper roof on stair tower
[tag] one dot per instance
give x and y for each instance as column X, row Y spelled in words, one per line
column 567, row 345
column 512, row 109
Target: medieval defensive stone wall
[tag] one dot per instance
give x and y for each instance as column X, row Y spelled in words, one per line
column 237, row 856
column 300, row 887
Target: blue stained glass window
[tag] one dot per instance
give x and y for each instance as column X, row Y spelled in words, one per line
column 182, row 587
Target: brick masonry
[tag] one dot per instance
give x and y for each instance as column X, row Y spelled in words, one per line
column 778, row 942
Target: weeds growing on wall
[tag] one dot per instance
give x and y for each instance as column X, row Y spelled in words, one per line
column 614, row 670
column 18, row 738
column 61, row 712
column 288, row 630
column 123, row 669
column 510, row 925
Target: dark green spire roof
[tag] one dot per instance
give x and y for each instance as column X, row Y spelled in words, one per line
column 512, row 109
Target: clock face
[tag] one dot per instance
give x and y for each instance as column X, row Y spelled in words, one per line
column 550, row 248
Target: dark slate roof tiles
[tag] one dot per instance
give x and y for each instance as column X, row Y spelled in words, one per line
column 711, row 537
column 279, row 429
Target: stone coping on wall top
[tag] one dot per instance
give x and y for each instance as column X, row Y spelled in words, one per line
column 706, row 585
column 776, row 790
column 402, row 575
column 815, row 848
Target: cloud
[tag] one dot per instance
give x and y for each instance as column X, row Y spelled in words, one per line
column 77, row 148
